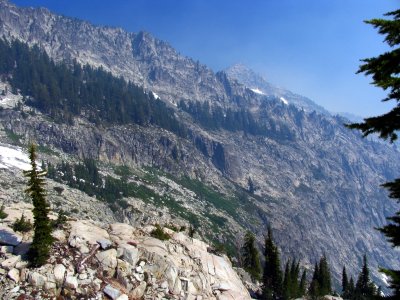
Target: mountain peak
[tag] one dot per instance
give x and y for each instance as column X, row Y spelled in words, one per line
column 258, row 84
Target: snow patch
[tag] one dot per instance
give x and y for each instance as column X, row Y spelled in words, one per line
column 257, row 91
column 284, row 100
column 14, row 158
column 8, row 99
column 155, row 95
column 385, row 279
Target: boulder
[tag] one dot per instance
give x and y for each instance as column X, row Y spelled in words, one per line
column 139, row 291
column 36, row 279
column 121, row 232
column 112, row 292
column 71, row 282
column 59, row 273
column 10, row 263
column 9, row 237
column 108, row 261
column 84, row 233
column 130, row 254
column 124, row 273
column 13, row 274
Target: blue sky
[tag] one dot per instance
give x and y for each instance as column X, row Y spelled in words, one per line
column 311, row 47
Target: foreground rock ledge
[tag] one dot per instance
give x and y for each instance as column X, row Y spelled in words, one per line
column 118, row 261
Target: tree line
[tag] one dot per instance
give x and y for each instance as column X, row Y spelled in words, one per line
column 64, row 91
column 288, row 284
column 213, row 117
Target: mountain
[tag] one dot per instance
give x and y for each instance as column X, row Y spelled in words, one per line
column 245, row 160
column 260, row 85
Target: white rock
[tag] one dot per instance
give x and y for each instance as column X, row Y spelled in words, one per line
column 138, row 292
column 59, row 271
column 71, row 282
column 139, row 269
column 21, row 264
column 84, row 233
column 142, row 263
column 59, row 235
column 10, row 263
column 6, row 249
column 15, row 290
column 36, row 279
column 83, row 276
column 108, row 260
column 97, row 284
column 13, row 274
column 112, row 292
column 123, row 297
column 130, row 254
column 50, row 286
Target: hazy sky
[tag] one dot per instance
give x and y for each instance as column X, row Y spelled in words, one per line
column 311, row 47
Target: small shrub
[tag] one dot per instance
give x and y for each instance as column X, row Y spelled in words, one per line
column 22, row 225
column 159, row 233
column 59, row 190
column 3, row 214
column 61, row 219
column 172, row 227
column 183, row 228
column 192, row 230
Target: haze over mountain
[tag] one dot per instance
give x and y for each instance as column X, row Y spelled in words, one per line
column 247, row 159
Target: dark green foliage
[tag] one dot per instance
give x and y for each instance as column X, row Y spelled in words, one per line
column 3, row 214
column 272, row 277
column 22, row 224
column 303, row 284
column 250, row 185
column 385, row 70
column 42, row 239
column 365, row 288
column 192, row 230
column 251, row 257
column 321, row 282
column 214, row 117
column 286, row 283
column 62, row 91
column 324, row 277
column 61, row 219
column 345, row 283
column 159, row 233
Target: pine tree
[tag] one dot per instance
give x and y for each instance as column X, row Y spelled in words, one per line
column 272, row 278
column 365, row 289
column 302, row 285
column 385, row 69
column 345, row 281
column 351, row 289
column 325, row 277
column 251, row 257
column 314, row 288
column 42, row 239
column 287, row 287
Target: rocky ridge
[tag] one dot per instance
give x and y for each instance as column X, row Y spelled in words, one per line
column 117, row 261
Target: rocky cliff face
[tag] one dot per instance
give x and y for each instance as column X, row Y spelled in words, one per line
column 314, row 181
